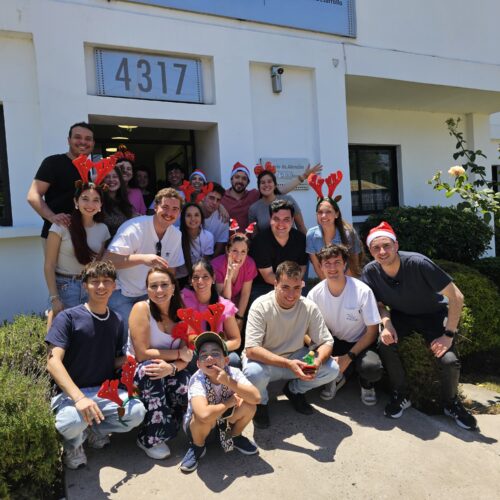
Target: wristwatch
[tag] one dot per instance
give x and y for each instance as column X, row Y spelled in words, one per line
column 351, row 355
column 450, row 334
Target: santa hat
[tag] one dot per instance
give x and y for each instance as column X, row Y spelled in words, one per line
column 383, row 229
column 200, row 173
column 239, row 167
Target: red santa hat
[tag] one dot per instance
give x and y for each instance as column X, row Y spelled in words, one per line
column 383, row 229
column 200, row 173
column 239, row 167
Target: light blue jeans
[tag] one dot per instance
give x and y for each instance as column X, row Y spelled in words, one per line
column 260, row 375
column 123, row 305
column 71, row 291
column 71, row 425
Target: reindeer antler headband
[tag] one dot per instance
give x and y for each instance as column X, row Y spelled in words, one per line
column 332, row 181
column 84, row 165
column 124, row 154
column 268, row 167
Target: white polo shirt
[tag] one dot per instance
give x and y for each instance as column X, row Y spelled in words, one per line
column 138, row 236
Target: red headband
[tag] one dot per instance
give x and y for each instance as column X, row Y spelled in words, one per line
column 234, row 226
column 207, row 188
column 84, row 165
column 124, row 154
column 268, row 167
column 332, row 181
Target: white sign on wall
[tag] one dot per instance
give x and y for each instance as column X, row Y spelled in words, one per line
column 287, row 169
column 147, row 76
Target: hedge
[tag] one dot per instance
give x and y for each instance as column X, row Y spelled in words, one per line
column 437, row 232
column 490, row 266
column 30, row 455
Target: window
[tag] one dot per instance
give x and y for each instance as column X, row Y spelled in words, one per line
column 374, row 184
column 5, row 214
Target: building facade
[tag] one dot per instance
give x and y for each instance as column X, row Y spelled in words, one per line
column 367, row 93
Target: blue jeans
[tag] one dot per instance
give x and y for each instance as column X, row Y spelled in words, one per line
column 71, row 291
column 71, row 425
column 123, row 305
column 260, row 375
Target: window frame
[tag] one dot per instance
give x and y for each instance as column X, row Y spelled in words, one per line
column 392, row 150
column 6, row 220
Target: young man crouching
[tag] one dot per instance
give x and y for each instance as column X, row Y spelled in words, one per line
column 219, row 395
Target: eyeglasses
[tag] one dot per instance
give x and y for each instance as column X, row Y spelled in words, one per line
column 214, row 354
column 158, row 248
column 157, row 286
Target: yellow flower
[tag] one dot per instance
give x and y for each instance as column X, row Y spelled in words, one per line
column 456, row 171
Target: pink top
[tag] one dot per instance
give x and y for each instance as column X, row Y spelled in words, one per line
column 247, row 272
column 190, row 301
column 137, row 201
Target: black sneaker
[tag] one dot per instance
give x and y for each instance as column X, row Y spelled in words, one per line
column 298, row 401
column 190, row 461
column 463, row 418
column 244, row 445
column 261, row 417
column 397, row 405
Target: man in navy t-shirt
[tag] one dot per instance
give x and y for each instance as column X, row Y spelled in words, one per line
column 85, row 347
column 415, row 289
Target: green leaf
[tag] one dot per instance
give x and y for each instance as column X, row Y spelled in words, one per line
column 487, row 217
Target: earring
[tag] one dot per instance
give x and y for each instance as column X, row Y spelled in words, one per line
column 76, row 206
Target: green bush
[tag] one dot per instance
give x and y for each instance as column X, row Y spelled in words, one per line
column 30, row 451
column 437, row 232
column 490, row 266
column 479, row 329
column 30, row 461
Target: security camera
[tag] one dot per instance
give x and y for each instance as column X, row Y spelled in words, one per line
column 276, row 72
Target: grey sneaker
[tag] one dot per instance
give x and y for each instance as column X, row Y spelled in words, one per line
column 74, row 457
column 97, row 441
column 330, row 390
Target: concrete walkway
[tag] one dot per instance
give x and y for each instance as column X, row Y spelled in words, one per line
column 345, row 450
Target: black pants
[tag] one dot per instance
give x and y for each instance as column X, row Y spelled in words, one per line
column 367, row 365
column 430, row 326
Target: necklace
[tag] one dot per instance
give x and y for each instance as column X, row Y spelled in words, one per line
column 96, row 316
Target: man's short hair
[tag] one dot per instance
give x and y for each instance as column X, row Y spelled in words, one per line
column 99, row 269
column 333, row 250
column 82, row 125
column 218, row 189
column 174, row 166
column 168, row 193
column 278, row 205
column 290, row 269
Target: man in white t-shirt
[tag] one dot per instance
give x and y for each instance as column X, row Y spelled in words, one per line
column 213, row 220
column 142, row 243
column 351, row 313
column 274, row 343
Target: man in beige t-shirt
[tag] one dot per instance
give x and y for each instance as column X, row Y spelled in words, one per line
column 274, row 345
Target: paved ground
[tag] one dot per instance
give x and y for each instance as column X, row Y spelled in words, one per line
column 345, row 450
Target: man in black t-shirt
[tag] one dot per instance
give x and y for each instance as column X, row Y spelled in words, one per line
column 414, row 288
column 51, row 192
column 275, row 245
column 85, row 347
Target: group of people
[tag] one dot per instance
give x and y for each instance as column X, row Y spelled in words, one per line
column 210, row 312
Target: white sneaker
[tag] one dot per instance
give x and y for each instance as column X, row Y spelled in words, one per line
column 97, row 441
column 75, row 458
column 158, row 451
column 330, row 389
column 368, row 396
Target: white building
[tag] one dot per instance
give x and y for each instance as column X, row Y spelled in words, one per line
column 381, row 96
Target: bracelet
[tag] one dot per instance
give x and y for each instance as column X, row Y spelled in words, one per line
column 53, row 297
column 237, row 316
column 79, row 399
column 174, row 368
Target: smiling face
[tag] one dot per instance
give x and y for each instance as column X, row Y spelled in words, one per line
column 99, row 289
column 201, row 281
column 211, row 354
column 281, row 223
column 237, row 253
column 197, row 182
column 81, row 142
column 160, row 288
column 288, row 291
column 113, row 181
column 167, row 211
column 126, row 170
column 89, row 203
column 326, row 214
column 239, row 182
column 385, row 251
column 175, row 176
column 193, row 218
column 142, row 179
column 334, row 268
column 211, row 202
column 266, row 185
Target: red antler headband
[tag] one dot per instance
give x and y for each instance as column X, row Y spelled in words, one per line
column 207, row 188
column 187, row 189
column 124, row 154
column 84, row 165
column 268, row 167
column 332, row 181
column 109, row 388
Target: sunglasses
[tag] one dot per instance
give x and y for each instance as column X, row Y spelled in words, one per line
column 158, row 248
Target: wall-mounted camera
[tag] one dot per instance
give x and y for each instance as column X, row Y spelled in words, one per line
column 276, row 72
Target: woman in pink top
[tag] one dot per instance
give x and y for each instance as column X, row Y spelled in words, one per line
column 235, row 272
column 203, row 294
column 126, row 165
